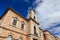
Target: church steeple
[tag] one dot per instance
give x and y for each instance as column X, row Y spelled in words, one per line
column 32, row 14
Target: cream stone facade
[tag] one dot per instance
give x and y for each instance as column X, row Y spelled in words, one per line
column 57, row 38
column 48, row 36
column 14, row 26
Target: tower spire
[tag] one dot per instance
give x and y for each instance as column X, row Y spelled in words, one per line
column 32, row 14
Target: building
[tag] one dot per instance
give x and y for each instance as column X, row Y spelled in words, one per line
column 57, row 38
column 41, row 34
column 48, row 35
column 14, row 26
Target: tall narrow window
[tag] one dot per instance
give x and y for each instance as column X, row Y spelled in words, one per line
column 35, row 33
column 44, row 36
column 34, row 17
column 22, row 25
column 14, row 21
column 9, row 38
column 34, row 30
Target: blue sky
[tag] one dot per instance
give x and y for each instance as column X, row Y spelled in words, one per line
column 47, row 11
column 19, row 5
column 49, row 16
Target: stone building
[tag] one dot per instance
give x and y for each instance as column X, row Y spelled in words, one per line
column 48, row 36
column 57, row 38
column 14, row 26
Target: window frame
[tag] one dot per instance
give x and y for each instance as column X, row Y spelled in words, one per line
column 8, row 37
column 20, row 38
column 12, row 22
column 34, row 30
column 22, row 26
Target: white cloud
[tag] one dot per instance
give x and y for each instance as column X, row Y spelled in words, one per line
column 48, row 13
column 27, row 1
column 55, row 30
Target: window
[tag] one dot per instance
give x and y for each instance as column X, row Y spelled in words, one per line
column 14, row 21
column 20, row 39
column 34, row 17
column 35, row 33
column 22, row 25
column 9, row 38
column 44, row 36
column 34, row 30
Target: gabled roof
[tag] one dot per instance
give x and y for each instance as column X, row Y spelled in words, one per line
column 17, row 14
column 13, row 11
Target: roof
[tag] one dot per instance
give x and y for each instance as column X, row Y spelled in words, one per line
column 49, row 33
column 17, row 14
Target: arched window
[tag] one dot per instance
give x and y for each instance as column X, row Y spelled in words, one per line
column 44, row 36
column 20, row 39
column 14, row 21
column 34, row 30
column 22, row 25
column 9, row 38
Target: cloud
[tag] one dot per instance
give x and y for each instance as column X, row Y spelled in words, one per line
column 27, row 1
column 55, row 30
column 38, row 1
column 58, row 35
column 48, row 13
